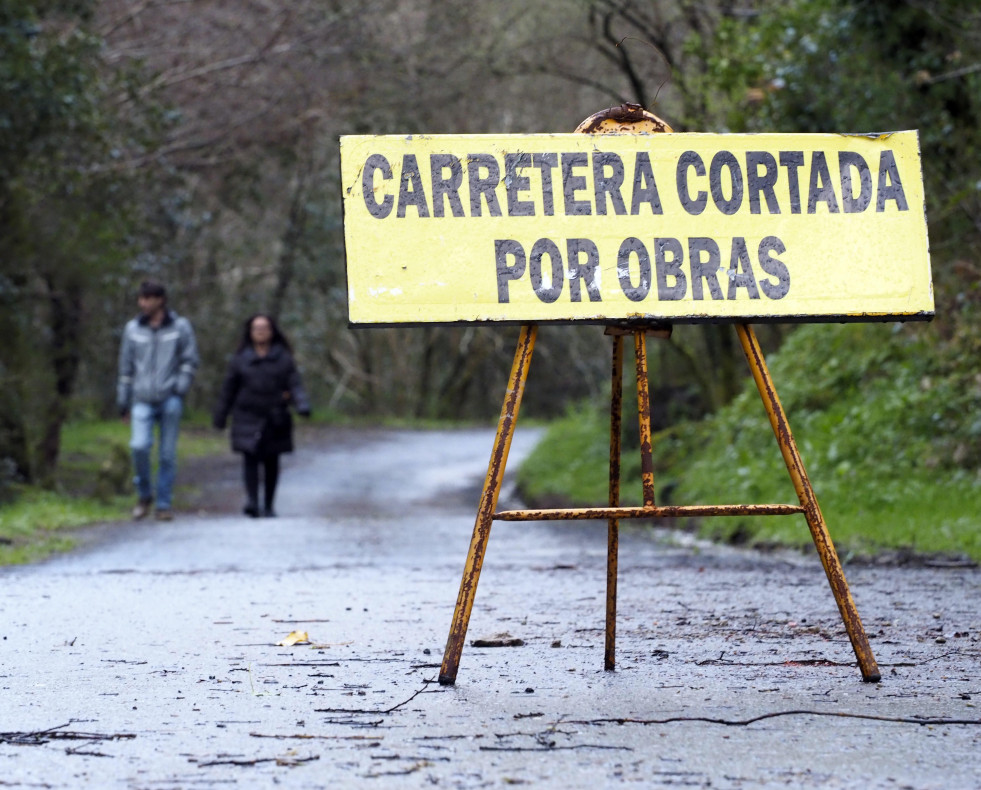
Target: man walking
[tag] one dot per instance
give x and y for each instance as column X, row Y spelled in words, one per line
column 157, row 360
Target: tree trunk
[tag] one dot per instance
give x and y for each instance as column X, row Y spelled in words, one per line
column 292, row 234
column 65, row 306
column 14, row 456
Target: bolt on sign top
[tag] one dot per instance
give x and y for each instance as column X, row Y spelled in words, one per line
column 683, row 228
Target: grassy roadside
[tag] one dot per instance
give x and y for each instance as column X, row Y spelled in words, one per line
column 889, row 442
column 94, row 486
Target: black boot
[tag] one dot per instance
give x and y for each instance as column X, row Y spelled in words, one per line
column 271, row 469
column 250, row 473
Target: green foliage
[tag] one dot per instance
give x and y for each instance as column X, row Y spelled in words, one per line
column 51, row 92
column 93, row 486
column 830, row 65
column 67, row 216
column 36, row 525
column 571, row 462
column 890, row 445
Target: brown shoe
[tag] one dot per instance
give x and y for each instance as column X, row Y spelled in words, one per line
column 142, row 509
column 165, row 515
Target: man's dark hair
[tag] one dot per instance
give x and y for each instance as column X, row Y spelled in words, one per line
column 152, row 288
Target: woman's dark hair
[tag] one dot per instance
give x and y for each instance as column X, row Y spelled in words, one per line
column 277, row 334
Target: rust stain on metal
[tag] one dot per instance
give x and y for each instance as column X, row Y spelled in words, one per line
column 644, row 418
column 812, row 512
column 657, row 329
column 488, row 503
column 663, row 511
column 626, row 118
column 613, row 524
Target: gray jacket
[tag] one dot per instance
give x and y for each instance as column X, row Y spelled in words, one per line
column 155, row 363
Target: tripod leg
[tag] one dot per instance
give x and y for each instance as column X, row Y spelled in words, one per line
column 613, row 524
column 644, row 417
column 808, row 500
column 488, row 504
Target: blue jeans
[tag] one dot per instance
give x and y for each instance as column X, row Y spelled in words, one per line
column 143, row 416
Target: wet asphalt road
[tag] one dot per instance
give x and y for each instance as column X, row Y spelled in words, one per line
column 151, row 653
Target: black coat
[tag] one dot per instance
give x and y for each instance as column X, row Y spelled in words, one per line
column 258, row 392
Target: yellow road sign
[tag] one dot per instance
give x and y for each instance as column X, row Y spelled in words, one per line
column 597, row 228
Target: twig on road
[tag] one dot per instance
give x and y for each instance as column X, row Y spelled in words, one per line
column 355, row 722
column 410, row 770
column 307, row 736
column 546, row 743
column 816, row 662
column 286, row 761
column 776, row 714
column 554, row 748
column 41, row 737
column 375, row 711
column 800, row 662
column 78, row 752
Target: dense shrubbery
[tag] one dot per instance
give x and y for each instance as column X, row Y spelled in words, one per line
column 888, row 433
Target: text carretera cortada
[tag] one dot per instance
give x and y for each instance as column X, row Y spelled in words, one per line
column 543, row 184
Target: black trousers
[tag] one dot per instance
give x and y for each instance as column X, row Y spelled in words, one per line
column 250, row 468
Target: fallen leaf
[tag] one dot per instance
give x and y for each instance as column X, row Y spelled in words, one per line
column 294, row 638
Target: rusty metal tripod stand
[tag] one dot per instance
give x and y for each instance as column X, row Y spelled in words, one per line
column 487, row 510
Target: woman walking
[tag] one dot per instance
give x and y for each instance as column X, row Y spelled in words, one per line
column 261, row 385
